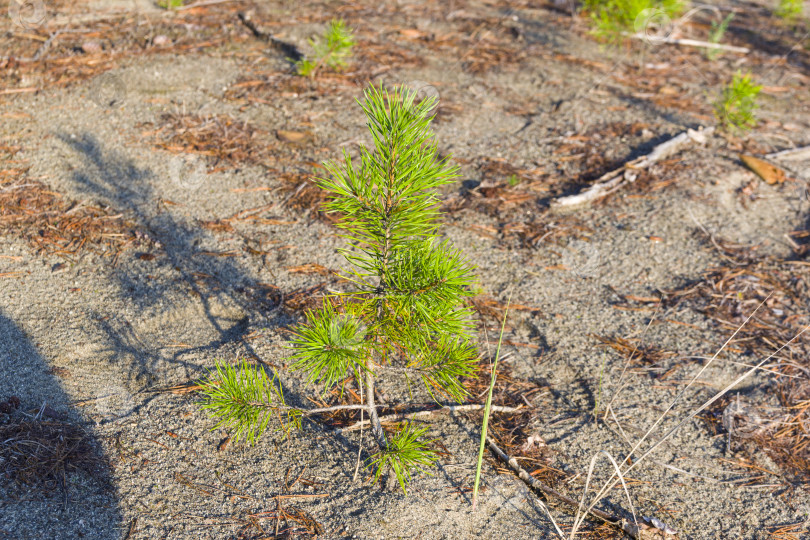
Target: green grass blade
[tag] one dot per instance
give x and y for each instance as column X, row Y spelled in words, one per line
column 488, row 406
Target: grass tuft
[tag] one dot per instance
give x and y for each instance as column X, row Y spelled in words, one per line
column 716, row 35
column 488, row 407
column 789, row 11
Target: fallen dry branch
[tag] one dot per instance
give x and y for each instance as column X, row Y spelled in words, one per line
column 398, row 417
column 287, row 49
column 641, row 531
column 691, row 43
column 792, row 154
column 626, row 174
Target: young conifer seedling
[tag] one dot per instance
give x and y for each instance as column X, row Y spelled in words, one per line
column 405, row 314
column 735, row 109
column 331, row 50
column 790, row 10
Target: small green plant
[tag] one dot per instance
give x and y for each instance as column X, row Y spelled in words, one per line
column 170, row 4
column 716, row 35
column 513, row 180
column 613, row 20
column 405, row 315
column 735, row 109
column 790, row 10
column 331, row 50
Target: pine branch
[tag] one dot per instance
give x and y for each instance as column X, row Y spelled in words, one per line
column 405, row 454
column 246, row 400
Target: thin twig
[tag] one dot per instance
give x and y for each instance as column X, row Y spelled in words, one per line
column 800, row 153
column 201, row 4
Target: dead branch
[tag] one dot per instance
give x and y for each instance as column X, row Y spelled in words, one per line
column 691, row 43
column 793, row 154
column 447, row 408
column 288, row 49
column 612, row 181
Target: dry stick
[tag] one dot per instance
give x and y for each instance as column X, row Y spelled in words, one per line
column 627, row 527
column 792, row 154
column 691, row 42
column 445, row 408
column 617, row 178
column 360, row 445
column 201, row 4
column 289, row 50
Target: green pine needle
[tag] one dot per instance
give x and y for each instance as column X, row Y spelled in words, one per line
column 405, row 455
column 329, row 344
column 246, row 400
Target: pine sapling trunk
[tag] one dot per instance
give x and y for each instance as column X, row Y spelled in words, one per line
column 374, row 418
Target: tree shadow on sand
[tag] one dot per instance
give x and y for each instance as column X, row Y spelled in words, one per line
column 54, row 479
column 211, row 281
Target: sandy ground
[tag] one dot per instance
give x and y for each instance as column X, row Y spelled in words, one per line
column 96, row 340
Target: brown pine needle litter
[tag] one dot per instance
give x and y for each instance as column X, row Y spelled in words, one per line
column 223, row 139
column 38, row 453
column 55, row 224
column 724, row 295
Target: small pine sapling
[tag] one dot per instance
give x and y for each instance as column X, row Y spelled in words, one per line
column 331, row 50
column 614, row 20
column 170, row 4
column 735, row 108
column 790, row 10
column 405, row 314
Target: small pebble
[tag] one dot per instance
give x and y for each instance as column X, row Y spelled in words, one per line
column 161, row 40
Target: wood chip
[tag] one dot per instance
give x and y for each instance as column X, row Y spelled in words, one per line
column 295, row 137
column 768, row 172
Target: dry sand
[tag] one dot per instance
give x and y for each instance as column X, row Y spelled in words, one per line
column 95, row 340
